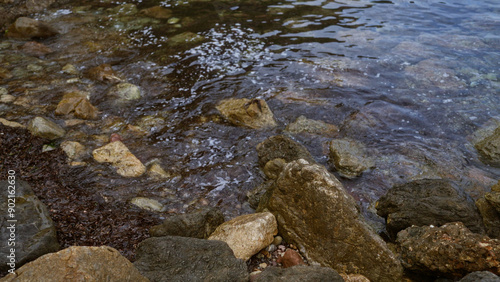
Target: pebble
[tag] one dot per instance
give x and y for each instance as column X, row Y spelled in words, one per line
column 277, row 240
column 263, row 265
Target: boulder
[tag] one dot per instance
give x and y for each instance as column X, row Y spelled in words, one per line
column 315, row 213
column 78, row 104
column 480, row 276
column 305, row 125
column 298, row 274
column 247, row 234
column 491, row 218
column 34, row 229
column 349, row 157
column 125, row 91
column 489, row 148
column 79, row 264
column 281, row 147
column 200, row 224
column 42, row 127
column 427, row 202
column 173, row 258
column 244, row 112
column 121, row 158
column 26, row 28
column 451, row 250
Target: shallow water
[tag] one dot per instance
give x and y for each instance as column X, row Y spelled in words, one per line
column 410, row 79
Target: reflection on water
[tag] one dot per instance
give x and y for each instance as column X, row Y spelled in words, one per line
column 410, row 79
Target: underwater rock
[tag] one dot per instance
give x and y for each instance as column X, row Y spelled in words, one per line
column 103, row 72
column 125, row 91
column 185, row 38
column 349, row 157
column 36, row 49
column 480, row 276
column 73, row 149
column 156, row 172
column 298, row 274
column 78, row 263
column 78, row 104
column 116, row 153
column 157, row 12
column 281, row 147
column 42, row 127
column 148, row 204
column 11, row 123
column 26, row 28
column 247, row 234
column 124, row 10
column 433, row 73
column 305, row 125
column 244, row 112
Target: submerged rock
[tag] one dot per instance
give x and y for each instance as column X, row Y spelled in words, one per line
column 121, row 158
column 156, row 172
column 78, row 104
column 148, row 204
column 42, row 127
column 36, row 49
column 200, row 224
column 157, row 12
column 35, row 234
column 451, row 250
column 125, row 91
column 315, row 213
column 244, row 112
column 74, row 150
column 173, row 258
column 349, row 157
column 185, row 38
column 26, row 28
column 282, row 147
column 247, row 234
column 427, row 202
column 298, row 274
column 103, row 72
column 305, row 125
column 79, row 264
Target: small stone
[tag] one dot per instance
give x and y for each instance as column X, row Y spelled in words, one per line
column 103, row 72
column 291, row 258
column 73, row 149
column 125, row 91
column 25, row 28
column 11, row 123
column 173, row 20
column 156, row 172
column 121, row 158
column 78, row 104
column 7, row 98
column 277, row 240
column 157, row 12
column 70, row 69
column 263, row 265
column 185, row 38
column 73, row 122
column 250, row 113
column 148, row 204
column 305, row 125
column 42, row 127
column 115, row 137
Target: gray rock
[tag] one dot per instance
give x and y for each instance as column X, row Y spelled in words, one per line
column 42, row 127
column 35, row 232
column 480, row 276
column 451, row 250
column 282, row 147
column 172, row 258
column 315, row 213
column 349, row 157
column 427, row 202
column 199, row 224
column 298, row 274
column 125, row 91
column 26, row 28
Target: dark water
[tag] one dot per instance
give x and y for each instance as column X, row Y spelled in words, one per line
column 410, row 79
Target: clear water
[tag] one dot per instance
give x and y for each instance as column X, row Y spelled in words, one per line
column 410, row 79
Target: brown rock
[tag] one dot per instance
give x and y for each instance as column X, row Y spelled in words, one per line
column 250, row 113
column 36, row 49
column 103, row 72
column 25, row 28
column 291, row 258
column 121, row 158
column 78, row 104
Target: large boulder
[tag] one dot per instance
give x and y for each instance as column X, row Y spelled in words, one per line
column 35, row 234
column 121, row 158
column 45, row 128
column 173, row 258
column 315, row 213
column 79, row 264
column 199, row 224
column 247, row 234
column 26, row 28
column 427, row 202
column 298, row 274
column 244, row 112
column 451, row 250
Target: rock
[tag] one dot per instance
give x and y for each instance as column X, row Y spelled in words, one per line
column 433, row 73
column 173, row 258
column 155, row 171
column 185, row 38
column 247, row 234
column 200, row 224
column 489, row 148
column 26, row 28
column 125, row 91
column 244, row 112
column 298, row 274
column 277, row 240
column 496, row 187
column 354, row 278
column 493, row 199
column 305, row 125
column 35, row 234
column 148, row 204
column 73, row 149
column 349, row 157
column 79, row 264
column 281, row 147
column 273, row 168
column 451, row 250
column 124, row 10
column 78, row 104
column 115, row 137
column 42, row 127
column 103, row 72
column 121, row 158
column 157, row 12
column 36, row 49
column 491, row 218
column 427, row 202
column 290, row 258
column 70, row 69
column 11, row 123
column 480, row 276
column 315, row 213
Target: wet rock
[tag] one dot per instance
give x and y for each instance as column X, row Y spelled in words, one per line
column 273, row 168
column 427, row 202
column 78, row 104
column 173, row 258
column 73, row 149
column 26, row 28
column 451, row 250
column 305, row 125
column 151, row 123
column 282, row 147
column 247, row 234
column 11, row 123
column 200, row 224
column 124, row 10
column 103, row 72
column 185, row 38
column 493, row 199
column 70, row 69
column 35, row 234
column 298, row 274
column 290, row 258
column 157, row 12
column 302, row 192
column 244, row 112
column 255, row 195
column 490, row 216
column 125, row 91
column 156, row 172
column 349, row 157
column 36, row 49
column 480, row 276
column 42, row 127
column 354, row 278
column 4, row 95
column 79, row 264
column 148, row 204
column 434, row 73
column 489, row 148
column 121, row 158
